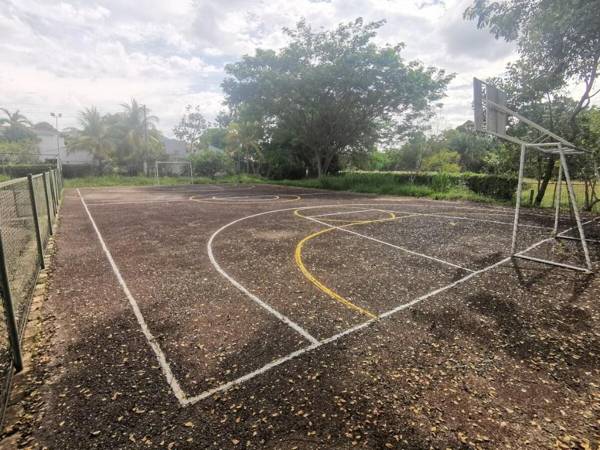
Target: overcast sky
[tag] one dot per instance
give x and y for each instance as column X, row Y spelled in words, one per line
column 66, row 55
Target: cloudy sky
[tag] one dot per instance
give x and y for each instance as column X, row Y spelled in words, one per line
column 66, row 55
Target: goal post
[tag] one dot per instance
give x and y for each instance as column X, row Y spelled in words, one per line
column 173, row 169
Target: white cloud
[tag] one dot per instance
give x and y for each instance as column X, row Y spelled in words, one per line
column 70, row 54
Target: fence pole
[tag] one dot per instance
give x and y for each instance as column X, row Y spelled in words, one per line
column 36, row 221
column 9, row 312
column 46, row 194
column 52, row 191
column 57, row 189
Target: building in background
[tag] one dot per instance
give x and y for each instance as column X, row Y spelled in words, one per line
column 47, row 146
column 175, row 149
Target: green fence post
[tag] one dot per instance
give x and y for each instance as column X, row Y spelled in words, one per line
column 56, row 188
column 9, row 312
column 52, row 191
column 36, row 221
column 47, row 195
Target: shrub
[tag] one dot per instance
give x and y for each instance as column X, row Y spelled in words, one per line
column 495, row 186
column 442, row 161
column 442, row 182
column 209, row 162
column 22, row 170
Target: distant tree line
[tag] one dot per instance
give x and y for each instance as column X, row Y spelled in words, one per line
column 123, row 142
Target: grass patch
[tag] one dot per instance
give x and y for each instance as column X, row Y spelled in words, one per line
column 548, row 200
column 4, row 178
column 373, row 184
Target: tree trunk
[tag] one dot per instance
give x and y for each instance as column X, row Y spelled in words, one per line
column 545, row 180
column 319, row 165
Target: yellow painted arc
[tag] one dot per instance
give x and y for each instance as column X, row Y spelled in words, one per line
column 310, row 277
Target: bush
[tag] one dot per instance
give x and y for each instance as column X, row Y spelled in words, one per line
column 79, row 170
column 22, row 170
column 496, row 186
column 442, row 161
column 209, row 163
column 442, row 182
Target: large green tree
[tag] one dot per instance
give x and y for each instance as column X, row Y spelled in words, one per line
column 558, row 43
column 335, row 92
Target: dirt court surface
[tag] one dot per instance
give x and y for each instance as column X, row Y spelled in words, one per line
column 285, row 318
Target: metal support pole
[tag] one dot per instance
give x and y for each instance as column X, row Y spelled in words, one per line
column 36, row 221
column 586, row 253
column 191, row 173
column 513, row 247
column 52, row 191
column 156, row 170
column 9, row 312
column 47, row 195
column 558, row 196
column 57, row 189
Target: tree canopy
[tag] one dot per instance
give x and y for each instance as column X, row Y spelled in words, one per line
column 333, row 92
column 126, row 139
column 558, row 43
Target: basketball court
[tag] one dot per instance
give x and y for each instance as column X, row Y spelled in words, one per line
column 230, row 282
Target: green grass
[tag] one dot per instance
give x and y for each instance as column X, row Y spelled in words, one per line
column 119, row 180
column 375, row 184
column 547, row 201
column 3, row 178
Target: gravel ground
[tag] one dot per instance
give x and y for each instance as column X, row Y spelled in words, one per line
column 509, row 358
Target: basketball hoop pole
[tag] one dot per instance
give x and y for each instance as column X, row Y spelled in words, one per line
column 513, row 247
column 492, row 119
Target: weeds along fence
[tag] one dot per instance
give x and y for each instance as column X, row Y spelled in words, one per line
column 28, row 210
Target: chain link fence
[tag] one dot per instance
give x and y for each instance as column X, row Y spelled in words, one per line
column 28, row 208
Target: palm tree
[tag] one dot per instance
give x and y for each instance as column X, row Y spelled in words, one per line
column 138, row 130
column 94, row 135
column 15, row 126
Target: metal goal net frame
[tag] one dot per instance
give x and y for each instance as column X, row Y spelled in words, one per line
column 175, row 169
column 491, row 116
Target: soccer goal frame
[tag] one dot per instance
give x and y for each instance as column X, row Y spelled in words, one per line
column 491, row 116
column 186, row 164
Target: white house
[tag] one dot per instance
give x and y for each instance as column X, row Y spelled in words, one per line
column 48, row 146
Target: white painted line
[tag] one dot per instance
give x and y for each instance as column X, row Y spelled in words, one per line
column 141, row 202
column 484, row 210
column 274, row 363
column 474, row 219
column 178, row 392
column 262, row 197
column 345, row 212
column 279, row 361
column 250, row 375
column 342, row 228
column 249, row 294
column 160, row 356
